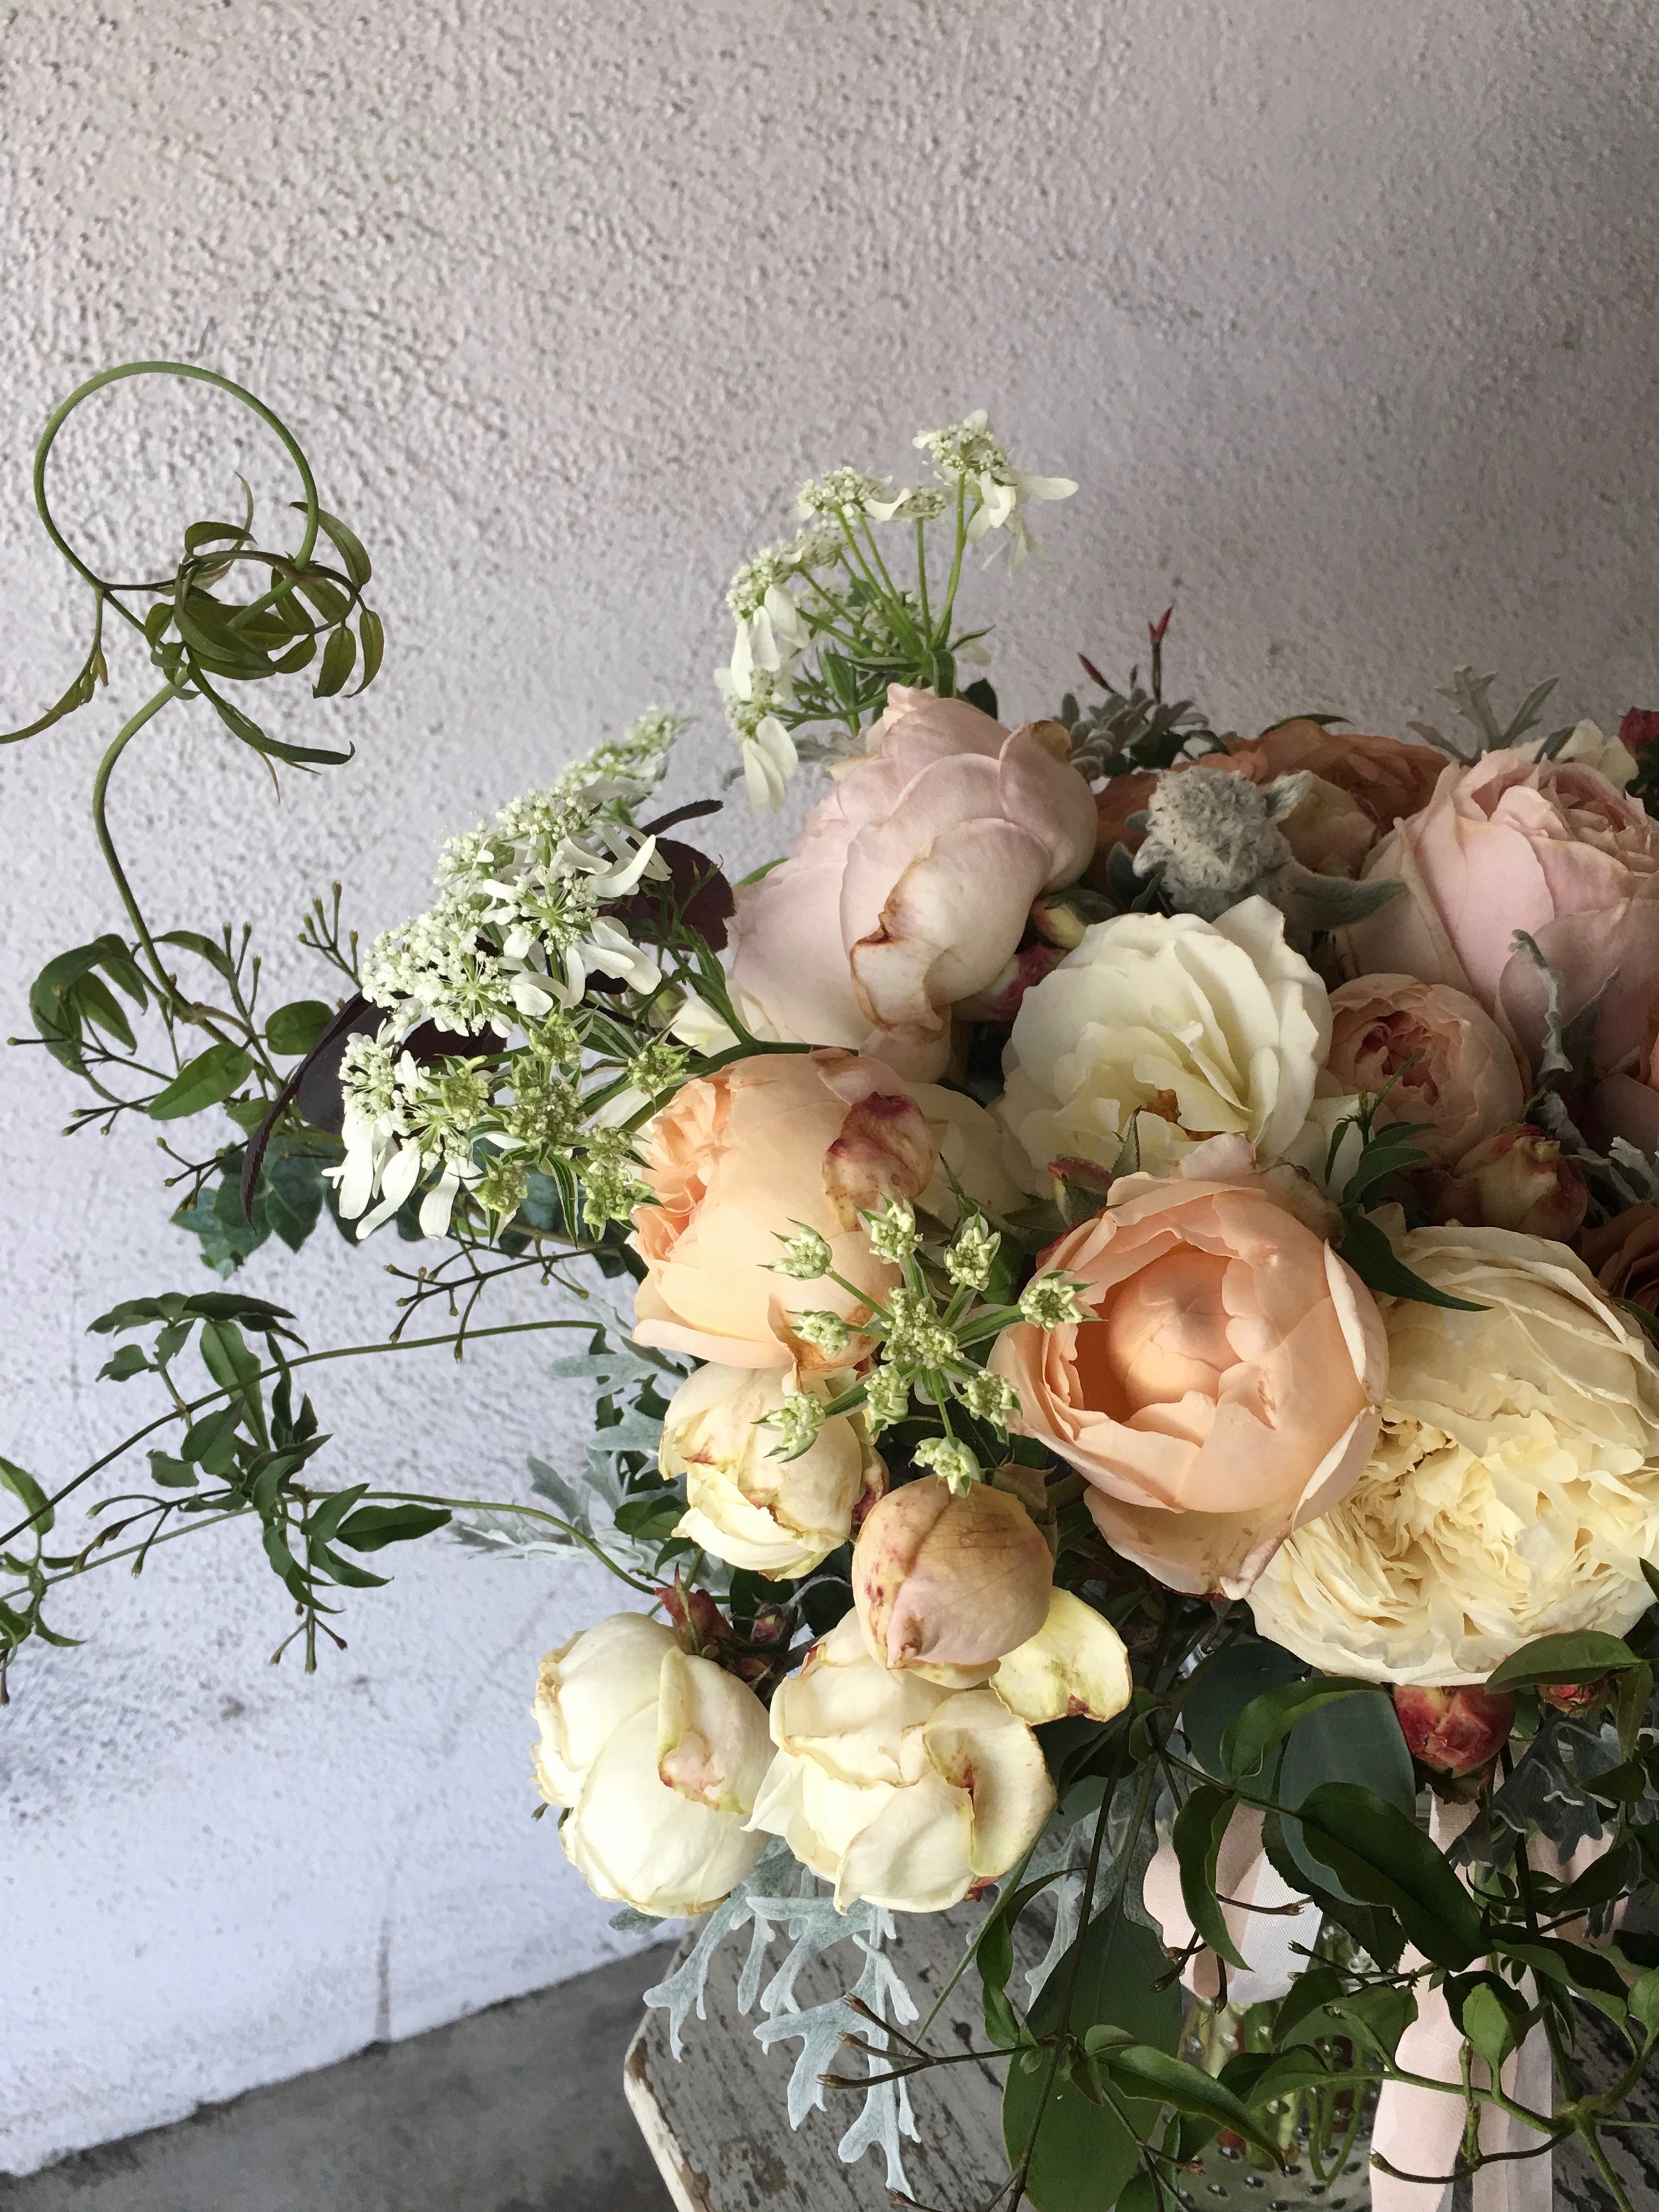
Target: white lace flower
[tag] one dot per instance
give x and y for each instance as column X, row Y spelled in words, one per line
column 968, row 452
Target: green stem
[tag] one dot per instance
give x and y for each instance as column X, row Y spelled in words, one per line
column 530, row 1512
column 171, row 995
column 304, row 1359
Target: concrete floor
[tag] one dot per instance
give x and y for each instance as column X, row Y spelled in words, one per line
column 518, row 2109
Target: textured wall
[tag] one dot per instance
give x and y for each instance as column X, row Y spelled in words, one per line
column 1343, row 318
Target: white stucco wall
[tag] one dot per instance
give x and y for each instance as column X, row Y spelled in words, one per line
column 1343, row 316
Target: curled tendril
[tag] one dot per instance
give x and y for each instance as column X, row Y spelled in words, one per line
column 203, row 642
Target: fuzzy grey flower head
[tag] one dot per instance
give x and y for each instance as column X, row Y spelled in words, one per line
column 1215, row 837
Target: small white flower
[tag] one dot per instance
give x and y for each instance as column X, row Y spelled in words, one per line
column 972, row 1254
column 893, row 1232
column 886, row 1398
column 806, row 1258
column 798, row 1421
column 968, row 452
column 1050, row 1301
column 826, row 1330
column 953, row 1462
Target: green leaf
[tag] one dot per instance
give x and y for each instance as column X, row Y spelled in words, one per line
column 202, row 1082
column 1381, row 2013
column 205, row 948
column 1356, row 1741
column 1226, row 1686
column 1199, row 1827
column 227, row 1358
column 171, row 1474
column 1381, row 1857
column 371, row 636
column 1138, row 2070
column 1083, row 2154
column 346, row 542
column 371, row 1528
column 1486, row 2018
column 1645, row 2001
column 1270, row 1717
column 339, row 658
column 28, row 1493
column 293, row 1028
column 993, row 1955
column 129, row 1361
column 1299, row 2016
column 1371, row 1256
column 291, row 1191
column 96, row 1004
column 1576, row 1658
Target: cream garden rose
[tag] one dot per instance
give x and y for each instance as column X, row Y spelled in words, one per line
column 1187, row 1029
column 745, row 1503
column 657, row 1758
column 895, row 1789
column 1514, row 1490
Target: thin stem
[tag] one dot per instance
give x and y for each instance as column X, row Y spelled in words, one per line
column 303, row 1359
column 530, row 1512
column 169, row 990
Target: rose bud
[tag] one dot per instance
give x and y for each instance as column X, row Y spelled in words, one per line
column 1454, row 1731
column 1638, row 729
column 947, row 1583
column 1521, row 1180
column 1574, row 1697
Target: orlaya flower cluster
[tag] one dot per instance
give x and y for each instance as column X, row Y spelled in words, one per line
column 817, row 614
column 525, row 920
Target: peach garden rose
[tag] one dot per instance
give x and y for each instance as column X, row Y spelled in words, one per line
column 1438, row 1058
column 1224, row 1386
column 771, row 1145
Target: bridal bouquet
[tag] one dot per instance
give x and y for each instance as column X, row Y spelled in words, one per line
column 1119, row 1279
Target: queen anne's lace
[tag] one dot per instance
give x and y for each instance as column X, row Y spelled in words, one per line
column 518, row 926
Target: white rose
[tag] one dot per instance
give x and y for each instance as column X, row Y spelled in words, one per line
column 1198, row 1028
column 657, row 1758
column 893, row 1789
column 743, row 1504
column 1589, row 744
column 1514, row 1489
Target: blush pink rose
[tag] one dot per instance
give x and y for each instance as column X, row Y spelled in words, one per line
column 1224, row 1388
column 766, row 1147
column 1441, row 1059
column 911, row 884
column 1627, row 1103
column 1548, row 847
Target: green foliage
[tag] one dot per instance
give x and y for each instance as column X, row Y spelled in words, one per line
column 1086, row 2150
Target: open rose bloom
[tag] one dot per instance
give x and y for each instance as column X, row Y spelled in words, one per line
column 911, row 886
column 1223, row 1387
column 1546, row 847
